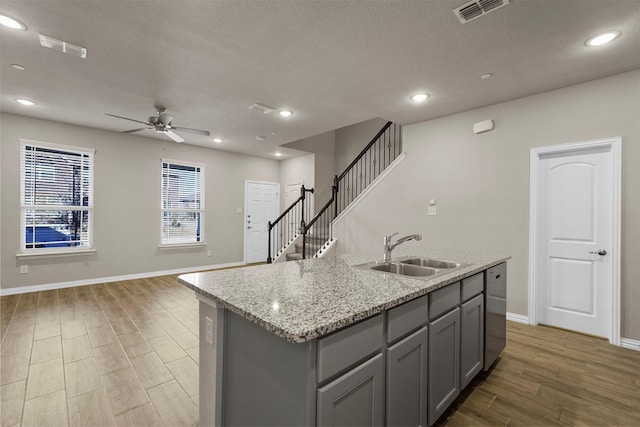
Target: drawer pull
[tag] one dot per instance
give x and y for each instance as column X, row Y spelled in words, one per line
column 497, row 276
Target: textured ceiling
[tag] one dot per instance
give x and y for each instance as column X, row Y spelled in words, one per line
column 334, row 63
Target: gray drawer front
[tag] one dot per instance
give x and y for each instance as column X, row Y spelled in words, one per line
column 406, row 318
column 344, row 348
column 443, row 300
column 472, row 286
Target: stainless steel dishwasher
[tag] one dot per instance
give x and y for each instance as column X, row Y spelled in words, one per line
column 495, row 329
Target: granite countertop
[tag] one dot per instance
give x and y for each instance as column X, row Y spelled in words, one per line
column 303, row 300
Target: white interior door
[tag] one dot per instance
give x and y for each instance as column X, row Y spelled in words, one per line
column 576, row 235
column 261, row 205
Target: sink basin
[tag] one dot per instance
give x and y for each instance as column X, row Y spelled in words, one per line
column 413, row 266
column 405, row 269
column 429, row 262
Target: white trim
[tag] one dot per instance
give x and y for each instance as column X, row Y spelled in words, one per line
column 630, row 344
column 59, row 147
column 182, row 245
column 519, row 318
column 370, row 188
column 84, row 282
column 244, row 218
column 59, row 253
column 615, row 144
column 183, row 162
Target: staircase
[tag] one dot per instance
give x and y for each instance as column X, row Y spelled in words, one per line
column 313, row 234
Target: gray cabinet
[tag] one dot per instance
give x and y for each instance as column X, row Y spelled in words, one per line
column 355, row 398
column 444, row 363
column 407, row 360
column 471, row 339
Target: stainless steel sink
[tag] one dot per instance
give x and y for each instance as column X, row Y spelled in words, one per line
column 429, row 262
column 404, row 269
column 424, row 268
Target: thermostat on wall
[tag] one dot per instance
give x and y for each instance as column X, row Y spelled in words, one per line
column 482, row 127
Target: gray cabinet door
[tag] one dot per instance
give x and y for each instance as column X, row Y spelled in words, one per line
column 471, row 339
column 444, row 363
column 407, row 381
column 354, row 399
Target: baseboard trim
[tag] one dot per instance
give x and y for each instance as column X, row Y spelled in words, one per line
column 85, row 282
column 519, row 318
column 630, row 344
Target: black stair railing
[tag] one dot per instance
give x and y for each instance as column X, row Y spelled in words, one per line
column 383, row 149
column 284, row 229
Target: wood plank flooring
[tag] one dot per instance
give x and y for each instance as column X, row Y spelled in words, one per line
column 126, row 354
column 552, row 377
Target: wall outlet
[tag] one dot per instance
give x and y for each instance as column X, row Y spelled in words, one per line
column 238, row 210
column 24, row 269
column 209, row 252
column 432, row 210
column 208, row 327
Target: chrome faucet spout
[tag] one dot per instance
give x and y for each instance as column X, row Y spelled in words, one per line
column 388, row 246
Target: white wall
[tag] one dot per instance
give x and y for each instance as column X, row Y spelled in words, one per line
column 481, row 182
column 127, row 204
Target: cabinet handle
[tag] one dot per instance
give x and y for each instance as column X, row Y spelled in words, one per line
column 497, row 276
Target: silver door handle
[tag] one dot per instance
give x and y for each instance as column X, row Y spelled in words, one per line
column 599, row 252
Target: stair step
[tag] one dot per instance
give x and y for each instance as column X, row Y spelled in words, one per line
column 310, row 246
column 294, row 256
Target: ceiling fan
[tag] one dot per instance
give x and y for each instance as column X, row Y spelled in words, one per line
column 161, row 123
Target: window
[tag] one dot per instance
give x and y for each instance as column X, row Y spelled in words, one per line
column 57, row 197
column 182, row 203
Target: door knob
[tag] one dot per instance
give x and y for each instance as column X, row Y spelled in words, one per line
column 599, row 252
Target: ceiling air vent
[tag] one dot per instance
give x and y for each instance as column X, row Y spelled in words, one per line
column 261, row 108
column 475, row 9
column 62, row 46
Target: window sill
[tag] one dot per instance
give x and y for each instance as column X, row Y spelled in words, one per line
column 47, row 254
column 182, row 246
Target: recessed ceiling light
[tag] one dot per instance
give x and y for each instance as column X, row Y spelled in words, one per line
column 218, row 140
column 12, row 23
column 18, row 67
column 260, row 138
column 278, row 154
column 603, row 38
column 486, row 76
column 419, row 97
column 285, row 113
column 25, row 101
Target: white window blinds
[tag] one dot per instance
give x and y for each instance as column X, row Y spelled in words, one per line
column 182, row 203
column 57, row 197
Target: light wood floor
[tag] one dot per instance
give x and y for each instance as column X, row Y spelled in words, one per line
column 126, row 353
column 123, row 353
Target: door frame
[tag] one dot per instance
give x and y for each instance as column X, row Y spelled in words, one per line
column 615, row 146
column 244, row 212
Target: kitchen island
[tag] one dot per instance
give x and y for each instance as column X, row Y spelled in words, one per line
column 320, row 342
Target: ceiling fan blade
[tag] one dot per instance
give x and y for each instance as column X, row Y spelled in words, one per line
column 173, row 135
column 127, row 118
column 190, row 130
column 134, row 130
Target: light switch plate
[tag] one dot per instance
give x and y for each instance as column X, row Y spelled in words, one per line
column 24, row 269
column 431, row 210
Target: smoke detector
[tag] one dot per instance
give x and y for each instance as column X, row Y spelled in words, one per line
column 475, row 9
column 261, row 108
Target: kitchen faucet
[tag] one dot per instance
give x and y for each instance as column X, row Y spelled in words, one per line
column 388, row 246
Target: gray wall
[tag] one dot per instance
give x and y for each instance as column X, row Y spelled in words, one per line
column 300, row 169
column 350, row 140
column 323, row 146
column 127, row 204
column 481, row 182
